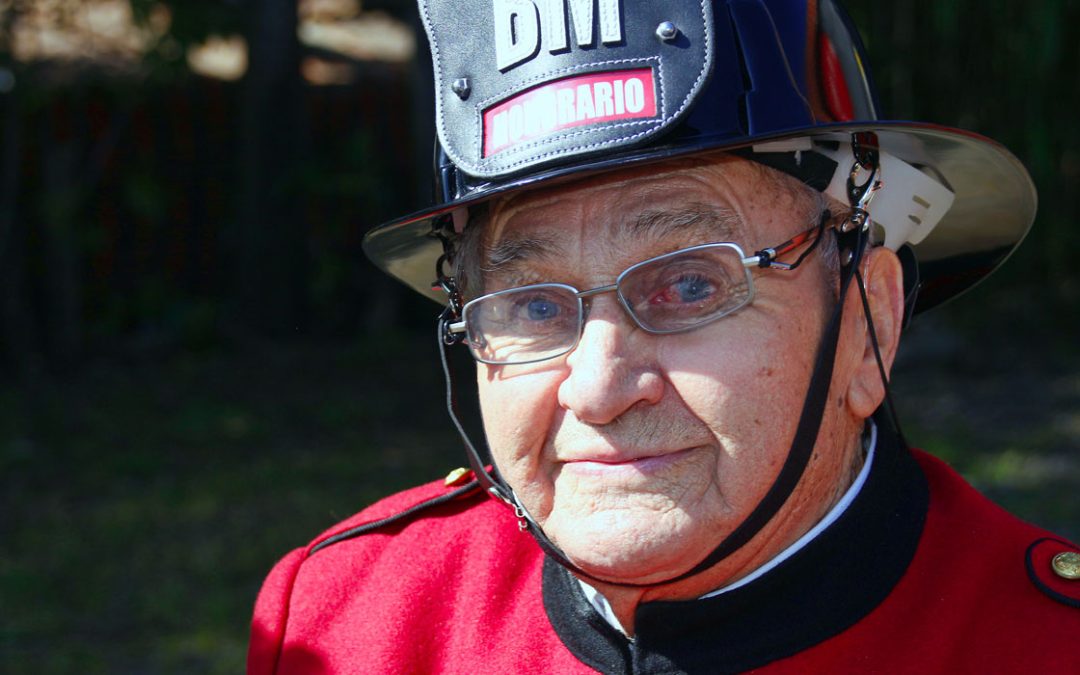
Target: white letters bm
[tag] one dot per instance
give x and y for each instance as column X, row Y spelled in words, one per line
column 518, row 27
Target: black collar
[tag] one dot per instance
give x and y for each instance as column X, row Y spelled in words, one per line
column 824, row 588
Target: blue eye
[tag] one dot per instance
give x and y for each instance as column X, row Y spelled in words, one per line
column 685, row 289
column 542, row 310
column 693, row 288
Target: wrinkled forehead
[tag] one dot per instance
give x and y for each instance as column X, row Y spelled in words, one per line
column 712, row 198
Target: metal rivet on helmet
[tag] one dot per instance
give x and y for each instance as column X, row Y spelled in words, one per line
column 667, row 31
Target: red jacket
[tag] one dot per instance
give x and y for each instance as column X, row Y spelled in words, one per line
column 921, row 574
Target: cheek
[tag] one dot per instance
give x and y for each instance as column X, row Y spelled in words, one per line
column 518, row 410
column 745, row 384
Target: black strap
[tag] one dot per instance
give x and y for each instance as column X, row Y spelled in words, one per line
column 492, row 482
column 894, row 420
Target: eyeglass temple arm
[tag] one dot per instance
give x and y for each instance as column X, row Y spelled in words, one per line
column 767, row 257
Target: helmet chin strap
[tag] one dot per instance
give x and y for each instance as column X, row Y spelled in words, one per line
column 852, row 237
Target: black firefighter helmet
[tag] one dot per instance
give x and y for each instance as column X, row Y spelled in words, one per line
column 533, row 92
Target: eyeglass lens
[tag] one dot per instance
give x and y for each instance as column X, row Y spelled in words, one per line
column 666, row 294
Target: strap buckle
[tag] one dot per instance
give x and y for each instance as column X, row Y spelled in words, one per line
column 864, row 146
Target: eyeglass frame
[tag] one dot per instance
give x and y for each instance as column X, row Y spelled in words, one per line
column 765, row 258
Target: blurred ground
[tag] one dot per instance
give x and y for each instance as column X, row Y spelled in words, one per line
column 138, row 546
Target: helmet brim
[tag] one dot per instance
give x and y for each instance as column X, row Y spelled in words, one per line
column 993, row 209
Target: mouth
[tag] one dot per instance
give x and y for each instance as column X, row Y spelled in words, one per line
column 640, row 465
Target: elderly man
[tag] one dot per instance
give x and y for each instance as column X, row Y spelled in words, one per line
column 681, row 248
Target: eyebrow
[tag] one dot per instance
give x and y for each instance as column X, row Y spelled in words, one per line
column 508, row 255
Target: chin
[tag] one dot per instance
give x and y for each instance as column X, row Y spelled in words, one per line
column 617, row 547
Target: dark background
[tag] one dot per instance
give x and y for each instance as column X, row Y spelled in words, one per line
column 199, row 370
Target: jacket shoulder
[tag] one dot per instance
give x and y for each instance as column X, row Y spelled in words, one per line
column 390, row 513
column 400, row 537
column 1045, row 565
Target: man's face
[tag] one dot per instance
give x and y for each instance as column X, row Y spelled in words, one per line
column 639, row 453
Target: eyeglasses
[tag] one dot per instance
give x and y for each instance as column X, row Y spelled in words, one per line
column 671, row 293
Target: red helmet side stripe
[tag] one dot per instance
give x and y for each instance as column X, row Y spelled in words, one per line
column 833, row 84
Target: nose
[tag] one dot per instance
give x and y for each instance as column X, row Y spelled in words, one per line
column 612, row 368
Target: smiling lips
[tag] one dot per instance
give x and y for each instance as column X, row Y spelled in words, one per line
column 639, row 464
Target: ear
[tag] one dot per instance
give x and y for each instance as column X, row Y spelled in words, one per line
column 883, row 277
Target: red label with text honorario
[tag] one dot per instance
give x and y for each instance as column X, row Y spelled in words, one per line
column 570, row 102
